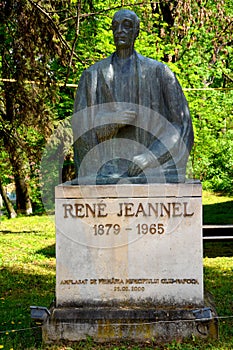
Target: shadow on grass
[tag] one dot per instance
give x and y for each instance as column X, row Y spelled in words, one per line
column 18, row 291
column 48, row 252
column 218, row 249
column 218, row 213
column 9, row 232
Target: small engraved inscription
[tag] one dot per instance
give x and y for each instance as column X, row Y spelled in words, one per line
column 130, row 284
column 152, row 229
column 106, row 229
column 129, row 289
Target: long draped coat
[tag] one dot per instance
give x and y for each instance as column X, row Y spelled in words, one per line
column 162, row 125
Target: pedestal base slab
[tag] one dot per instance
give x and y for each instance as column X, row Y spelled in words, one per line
column 105, row 324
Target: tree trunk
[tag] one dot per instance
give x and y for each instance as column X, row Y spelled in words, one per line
column 23, row 201
column 9, row 207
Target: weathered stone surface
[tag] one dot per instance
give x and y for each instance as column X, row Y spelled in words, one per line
column 128, row 282
column 127, row 245
column 134, row 324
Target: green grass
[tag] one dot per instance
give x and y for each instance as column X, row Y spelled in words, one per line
column 217, row 209
column 27, row 277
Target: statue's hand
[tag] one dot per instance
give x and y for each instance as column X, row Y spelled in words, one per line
column 111, row 122
column 134, row 170
column 116, row 117
column 106, row 132
column 140, row 162
column 124, row 117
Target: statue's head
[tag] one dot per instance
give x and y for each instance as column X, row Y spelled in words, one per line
column 125, row 27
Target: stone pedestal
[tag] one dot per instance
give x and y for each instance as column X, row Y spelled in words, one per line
column 129, row 263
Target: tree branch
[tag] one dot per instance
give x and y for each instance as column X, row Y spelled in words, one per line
column 54, row 26
column 227, row 76
column 91, row 14
column 75, row 38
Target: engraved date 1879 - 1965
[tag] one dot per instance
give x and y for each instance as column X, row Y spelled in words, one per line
column 141, row 229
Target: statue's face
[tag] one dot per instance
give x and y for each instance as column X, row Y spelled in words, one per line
column 124, row 30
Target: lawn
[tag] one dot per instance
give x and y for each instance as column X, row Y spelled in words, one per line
column 27, row 264
column 217, row 209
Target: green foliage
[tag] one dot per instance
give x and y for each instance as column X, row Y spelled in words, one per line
column 57, row 149
column 213, row 149
column 51, row 43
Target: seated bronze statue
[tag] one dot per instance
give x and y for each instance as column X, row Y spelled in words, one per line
column 131, row 121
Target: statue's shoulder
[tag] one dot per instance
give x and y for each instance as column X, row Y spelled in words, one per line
column 148, row 61
column 99, row 65
column 152, row 66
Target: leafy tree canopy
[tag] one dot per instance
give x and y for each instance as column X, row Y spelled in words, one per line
column 50, row 44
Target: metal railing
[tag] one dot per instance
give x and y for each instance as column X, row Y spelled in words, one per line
column 217, row 232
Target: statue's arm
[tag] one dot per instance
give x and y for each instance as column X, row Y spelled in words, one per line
column 177, row 132
column 82, row 98
column 177, row 106
column 107, row 123
column 176, row 142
